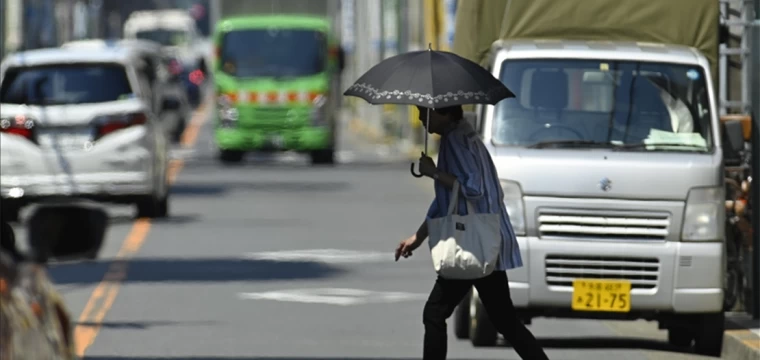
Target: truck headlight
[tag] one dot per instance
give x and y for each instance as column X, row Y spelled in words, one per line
column 318, row 113
column 513, row 201
column 228, row 114
column 704, row 215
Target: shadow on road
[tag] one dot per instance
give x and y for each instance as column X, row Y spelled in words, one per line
column 143, row 325
column 608, row 343
column 192, row 270
column 289, row 187
column 245, row 358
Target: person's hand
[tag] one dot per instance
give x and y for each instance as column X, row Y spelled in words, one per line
column 427, row 166
column 406, row 247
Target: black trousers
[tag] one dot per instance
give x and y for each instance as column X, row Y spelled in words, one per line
column 493, row 291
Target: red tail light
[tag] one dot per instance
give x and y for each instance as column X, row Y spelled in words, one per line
column 175, row 67
column 110, row 124
column 19, row 126
column 196, row 77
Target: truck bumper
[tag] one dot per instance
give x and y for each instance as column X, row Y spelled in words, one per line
column 669, row 277
column 304, row 139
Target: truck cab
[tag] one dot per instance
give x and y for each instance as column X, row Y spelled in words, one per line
column 276, row 80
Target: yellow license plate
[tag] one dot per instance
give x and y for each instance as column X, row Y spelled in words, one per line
column 601, row 295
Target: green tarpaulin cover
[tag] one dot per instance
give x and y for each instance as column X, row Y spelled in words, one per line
column 684, row 22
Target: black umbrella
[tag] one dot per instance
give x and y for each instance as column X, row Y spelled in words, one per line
column 432, row 79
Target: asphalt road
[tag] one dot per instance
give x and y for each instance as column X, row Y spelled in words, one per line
column 275, row 259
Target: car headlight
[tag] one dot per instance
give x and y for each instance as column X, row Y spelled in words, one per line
column 513, row 201
column 318, row 113
column 704, row 215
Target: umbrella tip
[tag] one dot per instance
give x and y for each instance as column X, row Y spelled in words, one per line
column 430, row 46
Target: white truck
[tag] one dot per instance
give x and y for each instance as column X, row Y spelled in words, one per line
column 610, row 158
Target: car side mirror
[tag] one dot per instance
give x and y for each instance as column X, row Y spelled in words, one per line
column 170, row 103
column 66, row 232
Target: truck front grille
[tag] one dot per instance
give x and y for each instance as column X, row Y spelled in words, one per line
column 561, row 270
column 608, row 226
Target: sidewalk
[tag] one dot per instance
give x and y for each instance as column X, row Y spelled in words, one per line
column 742, row 338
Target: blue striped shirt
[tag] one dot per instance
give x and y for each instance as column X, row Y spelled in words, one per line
column 464, row 155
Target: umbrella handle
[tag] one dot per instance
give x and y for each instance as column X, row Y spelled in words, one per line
column 411, row 168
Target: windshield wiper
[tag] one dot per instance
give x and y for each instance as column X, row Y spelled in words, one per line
column 659, row 146
column 571, row 143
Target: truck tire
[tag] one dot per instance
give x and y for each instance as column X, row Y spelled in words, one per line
column 322, row 157
column 708, row 335
column 482, row 331
column 680, row 337
column 231, row 156
column 462, row 318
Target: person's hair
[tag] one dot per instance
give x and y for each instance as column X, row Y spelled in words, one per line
column 455, row 111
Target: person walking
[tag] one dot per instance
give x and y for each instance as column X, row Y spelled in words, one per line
column 464, row 159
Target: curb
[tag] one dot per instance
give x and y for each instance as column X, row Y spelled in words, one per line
column 740, row 345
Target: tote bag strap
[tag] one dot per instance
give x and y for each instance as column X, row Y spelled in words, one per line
column 455, row 190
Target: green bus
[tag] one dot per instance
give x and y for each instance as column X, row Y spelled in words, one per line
column 277, row 84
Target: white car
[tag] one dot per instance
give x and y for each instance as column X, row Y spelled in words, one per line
column 76, row 123
column 174, row 29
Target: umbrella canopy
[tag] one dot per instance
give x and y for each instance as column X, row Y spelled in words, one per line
column 433, row 79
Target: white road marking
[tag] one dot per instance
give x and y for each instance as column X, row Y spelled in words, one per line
column 334, row 296
column 334, row 256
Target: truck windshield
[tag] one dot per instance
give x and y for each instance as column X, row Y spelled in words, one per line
column 273, row 53
column 591, row 103
column 165, row 37
column 64, row 84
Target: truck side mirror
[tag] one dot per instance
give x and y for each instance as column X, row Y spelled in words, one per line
column 733, row 140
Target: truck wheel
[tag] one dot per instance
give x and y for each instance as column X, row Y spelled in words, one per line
column 680, row 337
column 462, row 318
column 323, row 157
column 482, row 331
column 708, row 337
column 231, row 156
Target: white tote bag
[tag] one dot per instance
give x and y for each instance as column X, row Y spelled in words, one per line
column 464, row 246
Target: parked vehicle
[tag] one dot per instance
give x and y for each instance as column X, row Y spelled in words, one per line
column 168, row 97
column 277, row 86
column 738, row 180
column 611, row 160
column 78, row 123
column 177, row 32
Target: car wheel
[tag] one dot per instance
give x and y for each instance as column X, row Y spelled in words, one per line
column 179, row 131
column 462, row 318
column 10, row 212
column 153, row 207
column 708, row 337
column 231, row 156
column 482, row 331
column 320, row 157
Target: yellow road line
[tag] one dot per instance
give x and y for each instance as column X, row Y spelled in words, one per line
column 102, row 298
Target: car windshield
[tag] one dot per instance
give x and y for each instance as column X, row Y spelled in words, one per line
column 165, row 37
column 273, row 53
column 591, row 103
column 65, row 84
